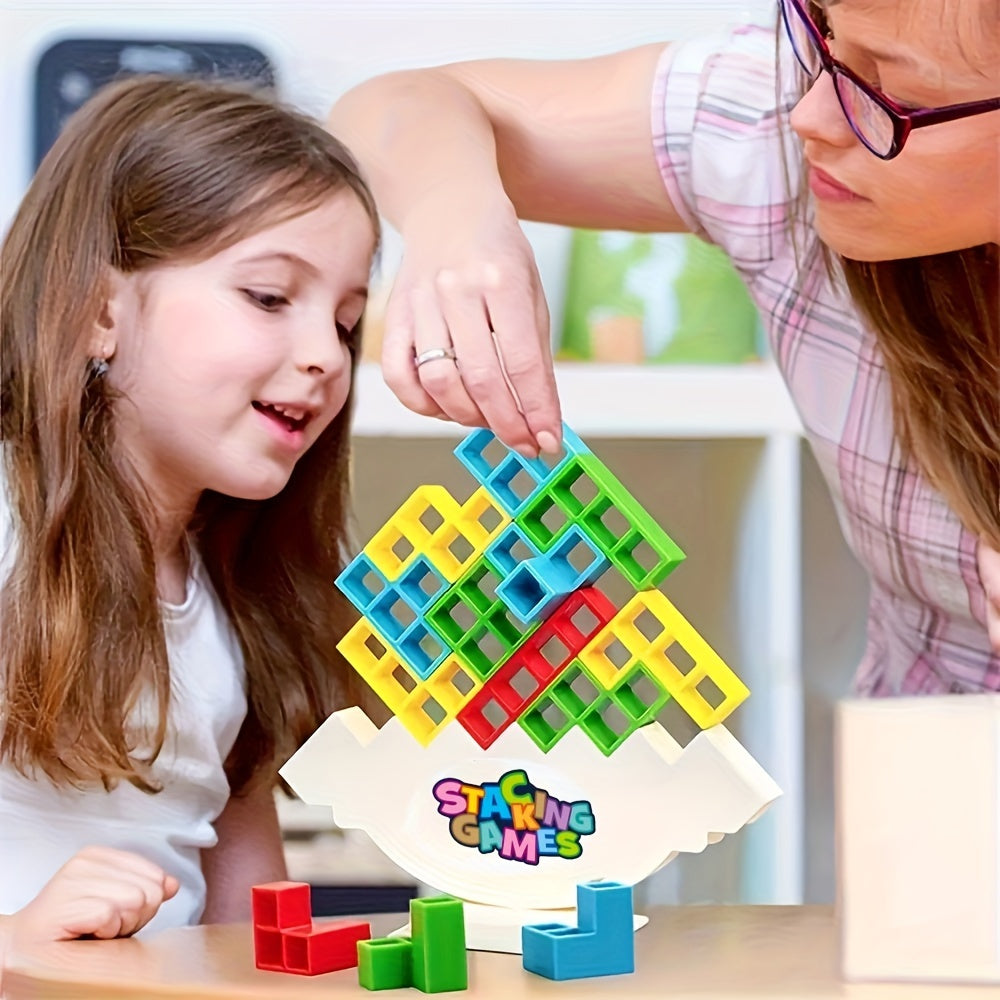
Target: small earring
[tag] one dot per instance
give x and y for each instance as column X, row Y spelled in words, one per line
column 97, row 368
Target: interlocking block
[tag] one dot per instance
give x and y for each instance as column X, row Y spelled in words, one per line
column 608, row 717
column 286, row 940
column 424, row 707
column 437, row 926
column 475, row 623
column 431, row 522
column 385, row 963
column 280, row 905
column 601, row 945
column 408, row 632
column 650, row 630
column 534, row 664
column 362, row 581
column 321, row 948
column 560, row 706
column 409, row 531
column 509, row 477
column 509, row 549
column 631, row 704
column 585, row 492
column 536, row 586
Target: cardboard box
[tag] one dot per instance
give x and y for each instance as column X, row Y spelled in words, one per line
column 918, row 838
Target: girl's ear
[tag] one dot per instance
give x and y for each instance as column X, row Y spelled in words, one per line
column 118, row 302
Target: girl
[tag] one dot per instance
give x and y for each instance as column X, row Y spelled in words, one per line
column 183, row 291
column 867, row 232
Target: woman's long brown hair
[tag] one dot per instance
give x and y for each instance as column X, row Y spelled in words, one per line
column 150, row 171
column 936, row 319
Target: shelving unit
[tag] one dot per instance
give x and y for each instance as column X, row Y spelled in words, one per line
column 738, row 401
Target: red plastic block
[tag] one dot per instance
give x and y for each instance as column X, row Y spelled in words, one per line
column 279, row 905
column 285, row 940
column 268, row 949
column 310, row 951
column 499, row 689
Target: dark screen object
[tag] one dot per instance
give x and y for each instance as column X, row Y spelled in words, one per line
column 74, row 69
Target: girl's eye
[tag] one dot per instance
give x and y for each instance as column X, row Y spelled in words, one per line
column 268, row 301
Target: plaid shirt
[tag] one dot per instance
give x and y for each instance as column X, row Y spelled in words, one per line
column 718, row 146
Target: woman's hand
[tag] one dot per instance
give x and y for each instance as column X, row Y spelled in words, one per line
column 468, row 283
column 101, row 892
column 989, row 572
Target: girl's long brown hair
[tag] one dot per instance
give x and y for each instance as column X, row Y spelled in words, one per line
column 936, row 319
column 153, row 170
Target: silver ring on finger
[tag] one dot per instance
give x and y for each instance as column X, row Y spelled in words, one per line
column 434, row 354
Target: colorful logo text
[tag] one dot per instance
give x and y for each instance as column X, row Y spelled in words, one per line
column 513, row 818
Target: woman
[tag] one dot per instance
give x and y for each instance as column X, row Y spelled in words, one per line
column 865, row 226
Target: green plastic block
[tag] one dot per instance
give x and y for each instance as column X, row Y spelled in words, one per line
column 385, row 963
column 560, row 706
column 640, row 695
column 666, row 553
column 437, row 926
column 583, row 492
column 546, row 723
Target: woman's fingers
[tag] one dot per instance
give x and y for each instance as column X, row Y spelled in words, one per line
column 398, row 352
column 438, row 318
column 527, row 364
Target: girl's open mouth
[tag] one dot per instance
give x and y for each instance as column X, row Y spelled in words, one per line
column 291, row 418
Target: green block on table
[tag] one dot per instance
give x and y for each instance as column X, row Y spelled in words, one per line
column 385, row 963
column 437, row 926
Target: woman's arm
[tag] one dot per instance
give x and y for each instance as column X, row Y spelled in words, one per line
column 455, row 155
column 249, row 852
column 564, row 141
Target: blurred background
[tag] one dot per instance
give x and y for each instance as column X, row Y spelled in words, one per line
column 663, row 371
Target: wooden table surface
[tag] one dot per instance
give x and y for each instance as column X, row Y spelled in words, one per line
column 696, row 952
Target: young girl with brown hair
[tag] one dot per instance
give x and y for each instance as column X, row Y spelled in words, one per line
column 183, row 288
column 855, row 183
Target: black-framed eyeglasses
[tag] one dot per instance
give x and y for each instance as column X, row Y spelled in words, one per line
column 878, row 121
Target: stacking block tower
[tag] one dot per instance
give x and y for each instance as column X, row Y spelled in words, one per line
column 484, row 614
column 521, row 642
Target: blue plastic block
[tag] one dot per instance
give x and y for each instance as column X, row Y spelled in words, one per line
column 498, row 477
column 352, row 582
column 535, row 587
column 500, row 552
column 421, row 584
column 384, row 613
column 422, row 649
column 602, row 945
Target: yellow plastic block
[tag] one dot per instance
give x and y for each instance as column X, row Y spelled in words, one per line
column 442, row 688
column 402, row 692
column 466, row 527
column 653, row 650
column 405, row 536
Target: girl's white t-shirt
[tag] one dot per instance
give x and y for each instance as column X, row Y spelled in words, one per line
column 42, row 827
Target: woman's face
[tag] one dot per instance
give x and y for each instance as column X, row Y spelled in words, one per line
column 942, row 192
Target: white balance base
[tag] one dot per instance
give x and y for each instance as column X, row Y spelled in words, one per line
column 498, row 928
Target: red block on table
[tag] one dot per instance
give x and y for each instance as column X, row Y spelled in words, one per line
column 310, row 951
column 279, row 905
column 285, row 939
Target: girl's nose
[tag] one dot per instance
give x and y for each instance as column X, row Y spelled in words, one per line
column 320, row 351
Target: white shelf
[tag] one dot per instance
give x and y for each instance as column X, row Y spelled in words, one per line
column 668, row 401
